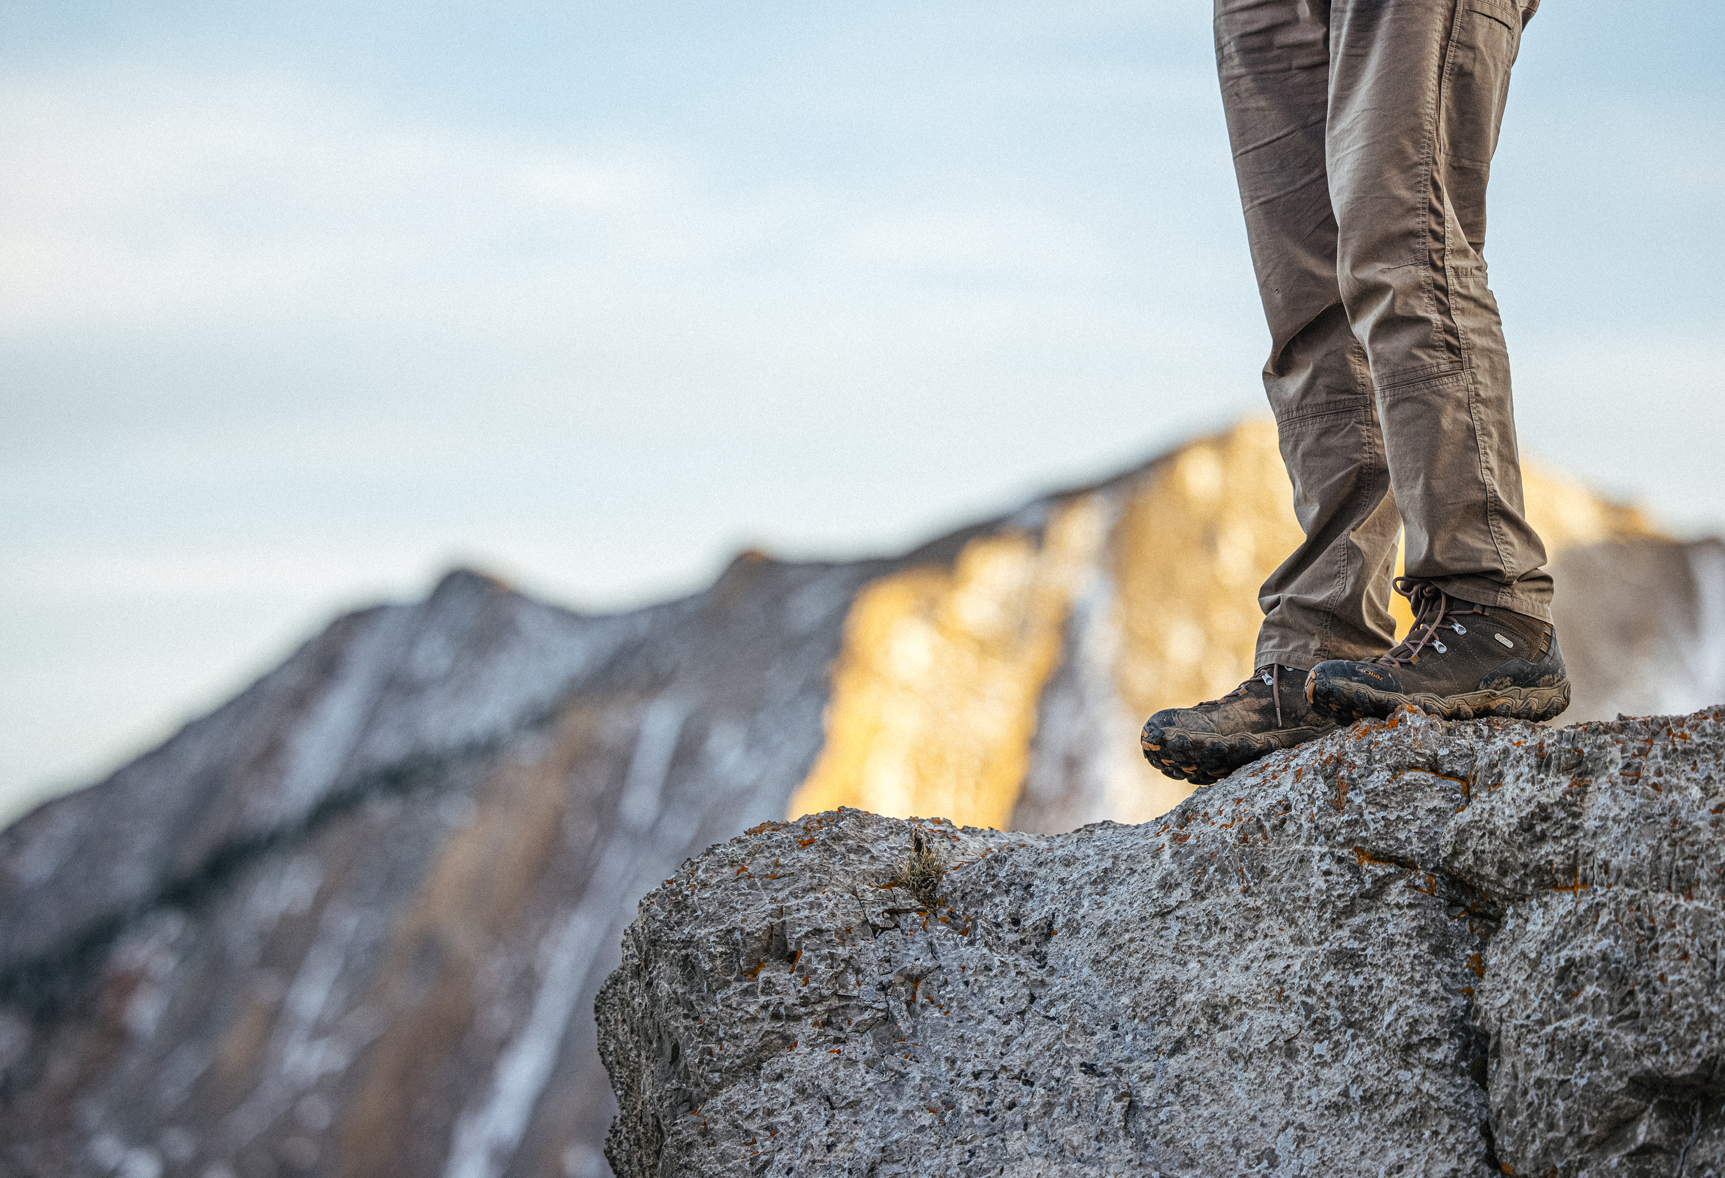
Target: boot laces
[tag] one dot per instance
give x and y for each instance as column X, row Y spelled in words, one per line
column 1432, row 606
column 1270, row 673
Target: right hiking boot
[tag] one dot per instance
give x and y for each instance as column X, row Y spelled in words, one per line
column 1460, row 661
column 1205, row 743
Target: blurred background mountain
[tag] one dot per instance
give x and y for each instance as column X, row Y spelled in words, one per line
column 353, row 921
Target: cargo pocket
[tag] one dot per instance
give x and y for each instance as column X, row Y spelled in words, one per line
column 1487, row 37
column 1504, row 12
column 1484, row 39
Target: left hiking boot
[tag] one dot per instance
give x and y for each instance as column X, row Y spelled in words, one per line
column 1459, row 661
column 1208, row 741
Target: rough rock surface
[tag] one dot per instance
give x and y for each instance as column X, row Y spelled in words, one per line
column 1411, row 948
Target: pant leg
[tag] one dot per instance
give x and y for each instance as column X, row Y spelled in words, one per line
column 1330, row 598
column 1417, row 90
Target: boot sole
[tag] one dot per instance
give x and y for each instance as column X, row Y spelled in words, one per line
column 1204, row 758
column 1355, row 701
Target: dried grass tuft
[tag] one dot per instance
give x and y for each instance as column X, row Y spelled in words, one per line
column 920, row 875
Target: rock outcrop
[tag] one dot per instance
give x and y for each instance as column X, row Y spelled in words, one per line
column 352, row 923
column 1411, row 948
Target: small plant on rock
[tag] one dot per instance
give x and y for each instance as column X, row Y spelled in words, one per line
column 920, row 875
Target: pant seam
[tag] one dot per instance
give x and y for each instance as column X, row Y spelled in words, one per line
column 1493, row 524
column 1424, row 374
column 1294, row 421
column 1445, row 325
column 1368, row 462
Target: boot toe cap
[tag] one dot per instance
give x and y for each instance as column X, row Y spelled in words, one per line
column 1376, row 676
column 1180, row 719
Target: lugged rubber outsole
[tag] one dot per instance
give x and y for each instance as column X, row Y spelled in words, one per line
column 1204, row 758
column 1350, row 701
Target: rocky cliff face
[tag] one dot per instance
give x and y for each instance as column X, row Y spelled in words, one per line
column 1410, row 948
column 353, row 922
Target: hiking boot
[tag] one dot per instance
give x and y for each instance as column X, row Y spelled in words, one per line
column 1459, row 661
column 1206, row 743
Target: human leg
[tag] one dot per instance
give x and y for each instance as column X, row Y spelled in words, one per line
column 1330, row 598
column 1417, row 90
column 1417, row 93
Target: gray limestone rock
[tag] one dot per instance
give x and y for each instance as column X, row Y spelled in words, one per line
column 1412, row 948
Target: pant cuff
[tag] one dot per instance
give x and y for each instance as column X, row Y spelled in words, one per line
column 1497, row 595
column 1306, row 658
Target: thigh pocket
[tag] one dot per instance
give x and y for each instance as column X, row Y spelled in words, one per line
column 1487, row 35
column 1503, row 12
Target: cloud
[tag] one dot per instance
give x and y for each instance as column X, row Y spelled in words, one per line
column 146, row 201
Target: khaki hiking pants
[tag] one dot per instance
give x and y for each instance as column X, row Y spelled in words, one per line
column 1363, row 132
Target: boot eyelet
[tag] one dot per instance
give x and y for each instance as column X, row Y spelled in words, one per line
column 1440, row 647
column 1458, row 627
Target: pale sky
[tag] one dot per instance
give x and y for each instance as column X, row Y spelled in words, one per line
column 303, row 302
